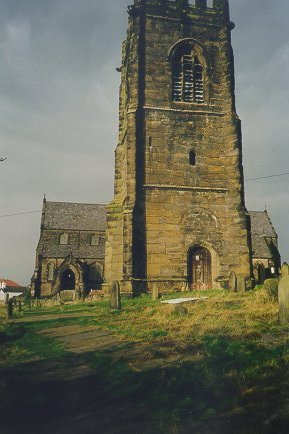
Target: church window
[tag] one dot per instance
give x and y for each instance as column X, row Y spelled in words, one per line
column 63, row 239
column 192, row 158
column 94, row 240
column 188, row 80
column 50, row 271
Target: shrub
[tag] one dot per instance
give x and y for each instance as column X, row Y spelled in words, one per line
column 271, row 288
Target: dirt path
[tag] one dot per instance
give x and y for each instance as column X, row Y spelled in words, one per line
column 51, row 317
column 77, row 393
column 80, row 339
column 107, row 384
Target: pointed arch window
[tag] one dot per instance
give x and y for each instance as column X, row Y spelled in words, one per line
column 188, row 77
column 63, row 239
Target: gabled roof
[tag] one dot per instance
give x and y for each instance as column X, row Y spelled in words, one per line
column 261, row 224
column 10, row 283
column 73, row 216
column 260, row 247
column 262, row 231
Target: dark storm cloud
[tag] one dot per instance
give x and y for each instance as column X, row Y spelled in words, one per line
column 59, row 108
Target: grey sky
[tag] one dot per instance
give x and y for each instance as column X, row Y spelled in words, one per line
column 59, row 110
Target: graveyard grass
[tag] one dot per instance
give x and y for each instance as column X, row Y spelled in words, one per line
column 220, row 367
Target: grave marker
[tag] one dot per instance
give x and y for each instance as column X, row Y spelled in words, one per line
column 115, row 300
column 285, row 269
column 233, row 282
column 241, row 283
column 283, row 298
column 155, row 292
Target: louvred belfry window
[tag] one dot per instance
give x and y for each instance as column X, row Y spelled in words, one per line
column 188, row 81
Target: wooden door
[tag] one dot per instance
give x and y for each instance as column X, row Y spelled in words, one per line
column 200, row 269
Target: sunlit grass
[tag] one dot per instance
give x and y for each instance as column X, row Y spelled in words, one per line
column 229, row 351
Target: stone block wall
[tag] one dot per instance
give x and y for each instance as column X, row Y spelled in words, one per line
column 164, row 205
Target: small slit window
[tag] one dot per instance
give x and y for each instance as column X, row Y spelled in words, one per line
column 192, row 158
column 63, row 239
column 188, row 80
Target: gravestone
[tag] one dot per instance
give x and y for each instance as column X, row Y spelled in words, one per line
column 233, row 282
column 283, row 298
column 285, row 269
column 241, row 283
column 115, row 301
column 155, row 292
column 10, row 308
column 68, row 295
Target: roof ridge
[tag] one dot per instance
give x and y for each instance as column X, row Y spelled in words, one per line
column 75, row 203
column 261, row 212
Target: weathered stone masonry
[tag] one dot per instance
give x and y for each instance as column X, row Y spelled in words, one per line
column 70, row 252
column 169, row 208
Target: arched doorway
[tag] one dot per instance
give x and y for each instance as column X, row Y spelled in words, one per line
column 67, row 280
column 200, row 268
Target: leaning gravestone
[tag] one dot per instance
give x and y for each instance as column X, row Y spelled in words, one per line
column 233, row 282
column 285, row 269
column 155, row 292
column 241, row 283
column 115, row 301
column 283, row 297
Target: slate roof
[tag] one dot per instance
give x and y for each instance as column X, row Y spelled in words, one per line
column 73, row 216
column 262, row 231
column 261, row 224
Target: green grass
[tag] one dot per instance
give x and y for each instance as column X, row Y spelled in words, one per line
column 21, row 345
column 227, row 358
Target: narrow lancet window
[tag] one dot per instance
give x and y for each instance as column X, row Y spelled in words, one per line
column 192, row 158
column 188, row 81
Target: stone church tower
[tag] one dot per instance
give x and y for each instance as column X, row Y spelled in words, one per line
column 178, row 217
